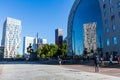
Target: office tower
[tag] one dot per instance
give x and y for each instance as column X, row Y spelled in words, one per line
column 59, row 36
column 90, row 42
column 11, row 37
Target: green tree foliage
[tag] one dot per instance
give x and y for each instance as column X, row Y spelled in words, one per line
column 42, row 56
column 52, row 50
column 64, row 49
column 38, row 52
column 18, row 56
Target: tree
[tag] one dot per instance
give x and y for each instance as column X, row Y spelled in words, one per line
column 64, row 49
column 18, row 56
column 32, row 55
column 53, row 49
column 42, row 56
column 45, row 49
column 38, row 52
column 29, row 49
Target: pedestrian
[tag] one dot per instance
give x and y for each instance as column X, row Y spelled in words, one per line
column 96, row 63
column 59, row 60
column 119, row 59
column 102, row 61
column 110, row 59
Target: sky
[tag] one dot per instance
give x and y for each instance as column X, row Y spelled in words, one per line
column 42, row 16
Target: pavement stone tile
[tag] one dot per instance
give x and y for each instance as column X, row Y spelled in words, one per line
column 47, row 72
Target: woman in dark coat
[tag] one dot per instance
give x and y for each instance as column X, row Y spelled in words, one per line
column 96, row 63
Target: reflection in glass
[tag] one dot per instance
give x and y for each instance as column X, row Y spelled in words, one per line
column 87, row 11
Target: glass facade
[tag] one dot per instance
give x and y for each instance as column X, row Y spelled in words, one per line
column 86, row 12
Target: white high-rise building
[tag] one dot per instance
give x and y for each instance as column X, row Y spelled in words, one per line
column 11, row 37
column 26, row 42
column 90, row 42
column 43, row 41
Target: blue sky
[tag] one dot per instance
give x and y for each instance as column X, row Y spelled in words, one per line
column 42, row 16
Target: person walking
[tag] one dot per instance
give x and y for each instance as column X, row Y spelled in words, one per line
column 110, row 59
column 102, row 61
column 59, row 60
column 119, row 59
column 96, row 63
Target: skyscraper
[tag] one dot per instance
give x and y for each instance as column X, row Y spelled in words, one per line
column 11, row 37
column 59, row 36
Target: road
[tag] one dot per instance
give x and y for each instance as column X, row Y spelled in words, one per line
column 47, row 72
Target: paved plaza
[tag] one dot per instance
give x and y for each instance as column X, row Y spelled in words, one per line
column 113, row 70
column 47, row 72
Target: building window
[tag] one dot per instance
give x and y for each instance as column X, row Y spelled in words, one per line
column 119, row 4
column 107, row 30
column 105, row 13
column 119, row 14
column 104, row 6
column 113, row 27
column 111, row 9
column 113, row 18
column 106, row 21
column 108, row 42
column 110, row 1
column 115, row 40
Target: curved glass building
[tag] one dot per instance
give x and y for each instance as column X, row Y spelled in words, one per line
column 104, row 13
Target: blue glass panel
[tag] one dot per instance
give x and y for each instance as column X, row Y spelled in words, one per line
column 108, row 42
column 115, row 40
